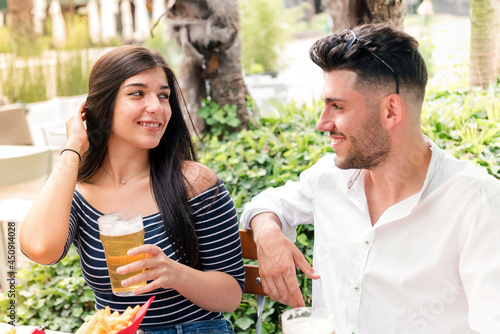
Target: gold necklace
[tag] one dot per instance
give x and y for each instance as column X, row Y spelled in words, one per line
column 124, row 181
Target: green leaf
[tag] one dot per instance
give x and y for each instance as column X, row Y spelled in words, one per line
column 244, row 323
column 302, row 239
column 234, row 122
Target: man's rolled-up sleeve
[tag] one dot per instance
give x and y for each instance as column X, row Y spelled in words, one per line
column 292, row 203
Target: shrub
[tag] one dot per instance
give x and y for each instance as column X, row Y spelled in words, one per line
column 56, row 296
column 466, row 124
column 268, row 154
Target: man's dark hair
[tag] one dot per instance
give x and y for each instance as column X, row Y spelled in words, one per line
column 396, row 48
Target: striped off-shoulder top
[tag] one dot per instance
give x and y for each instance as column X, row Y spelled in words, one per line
column 217, row 228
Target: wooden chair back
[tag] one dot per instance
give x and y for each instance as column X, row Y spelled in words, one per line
column 253, row 284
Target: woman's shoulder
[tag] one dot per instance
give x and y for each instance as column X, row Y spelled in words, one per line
column 199, row 177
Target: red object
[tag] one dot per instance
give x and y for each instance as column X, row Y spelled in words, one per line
column 136, row 319
column 37, row 331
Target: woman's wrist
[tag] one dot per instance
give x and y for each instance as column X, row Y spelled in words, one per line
column 72, row 151
column 70, row 155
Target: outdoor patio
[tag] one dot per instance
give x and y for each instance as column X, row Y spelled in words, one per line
column 300, row 81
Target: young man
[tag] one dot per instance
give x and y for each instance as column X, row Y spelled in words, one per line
column 407, row 238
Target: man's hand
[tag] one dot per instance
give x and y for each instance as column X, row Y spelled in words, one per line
column 278, row 258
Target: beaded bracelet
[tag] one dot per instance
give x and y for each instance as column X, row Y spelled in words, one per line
column 69, row 149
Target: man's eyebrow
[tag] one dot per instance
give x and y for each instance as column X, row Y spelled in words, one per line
column 138, row 84
column 333, row 99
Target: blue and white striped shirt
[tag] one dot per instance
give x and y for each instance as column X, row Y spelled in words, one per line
column 217, row 228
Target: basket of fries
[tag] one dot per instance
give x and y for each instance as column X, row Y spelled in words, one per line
column 106, row 322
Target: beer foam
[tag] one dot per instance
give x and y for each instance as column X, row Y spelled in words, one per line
column 115, row 225
column 306, row 325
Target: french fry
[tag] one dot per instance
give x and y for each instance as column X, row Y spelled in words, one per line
column 82, row 328
column 107, row 311
column 91, row 325
column 104, row 324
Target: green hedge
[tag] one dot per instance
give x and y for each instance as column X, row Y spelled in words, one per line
column 56, row 295
column 466, row 124
column 275, row 149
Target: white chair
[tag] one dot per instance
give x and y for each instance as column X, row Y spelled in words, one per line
column 18, row 164
column 14, row 128
column 54, row 135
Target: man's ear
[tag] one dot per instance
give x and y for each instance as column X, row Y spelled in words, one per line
column 392, row 110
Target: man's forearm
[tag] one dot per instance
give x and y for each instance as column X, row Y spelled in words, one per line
column 263, row 223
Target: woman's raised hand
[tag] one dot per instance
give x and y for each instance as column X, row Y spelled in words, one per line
column 76, row 133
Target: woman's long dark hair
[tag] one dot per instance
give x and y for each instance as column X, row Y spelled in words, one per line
column 169, row 186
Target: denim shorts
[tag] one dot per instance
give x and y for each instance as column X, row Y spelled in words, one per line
column 197, row 327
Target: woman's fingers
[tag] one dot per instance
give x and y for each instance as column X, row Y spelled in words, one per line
column 75, row 130
column 159, row 269
column 80, row 111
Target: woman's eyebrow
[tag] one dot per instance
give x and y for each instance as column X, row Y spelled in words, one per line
column 138, row 84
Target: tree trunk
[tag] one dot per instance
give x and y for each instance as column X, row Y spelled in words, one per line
column 207, row 32
column 484, row 63
column 347, row 14
column 318, row 6
column 72, row 9
column 20, row 22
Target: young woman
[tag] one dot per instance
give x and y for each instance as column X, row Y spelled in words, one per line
column 136, row 154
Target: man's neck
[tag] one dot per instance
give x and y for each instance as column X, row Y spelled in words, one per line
column 400, row 177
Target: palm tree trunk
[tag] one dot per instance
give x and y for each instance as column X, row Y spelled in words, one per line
column 347, row 14
column 207, row 32
column 20, row 22
column 484, row 62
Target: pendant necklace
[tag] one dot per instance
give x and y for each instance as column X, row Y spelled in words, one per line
column 124, row 181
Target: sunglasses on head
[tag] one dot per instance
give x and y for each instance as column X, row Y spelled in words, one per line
column 351, row 39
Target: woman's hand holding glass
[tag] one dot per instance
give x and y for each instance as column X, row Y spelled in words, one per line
column 161, row 271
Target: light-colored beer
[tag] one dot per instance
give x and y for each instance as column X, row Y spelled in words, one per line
column 115, row 249
column 311, row 324
column 119, row 232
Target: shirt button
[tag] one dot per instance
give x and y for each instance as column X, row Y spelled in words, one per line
column 356, row 288
column 367, row 242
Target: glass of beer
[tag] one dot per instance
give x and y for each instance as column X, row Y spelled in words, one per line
column 119, row 232
column 308, row 320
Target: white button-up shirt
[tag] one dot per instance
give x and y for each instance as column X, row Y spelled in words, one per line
column 431, row 263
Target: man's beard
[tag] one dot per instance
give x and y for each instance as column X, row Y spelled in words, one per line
column 370, row 147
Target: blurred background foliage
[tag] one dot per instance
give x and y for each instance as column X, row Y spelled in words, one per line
column 265, row 27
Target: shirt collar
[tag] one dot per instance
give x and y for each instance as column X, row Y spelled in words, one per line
column 355, row 184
